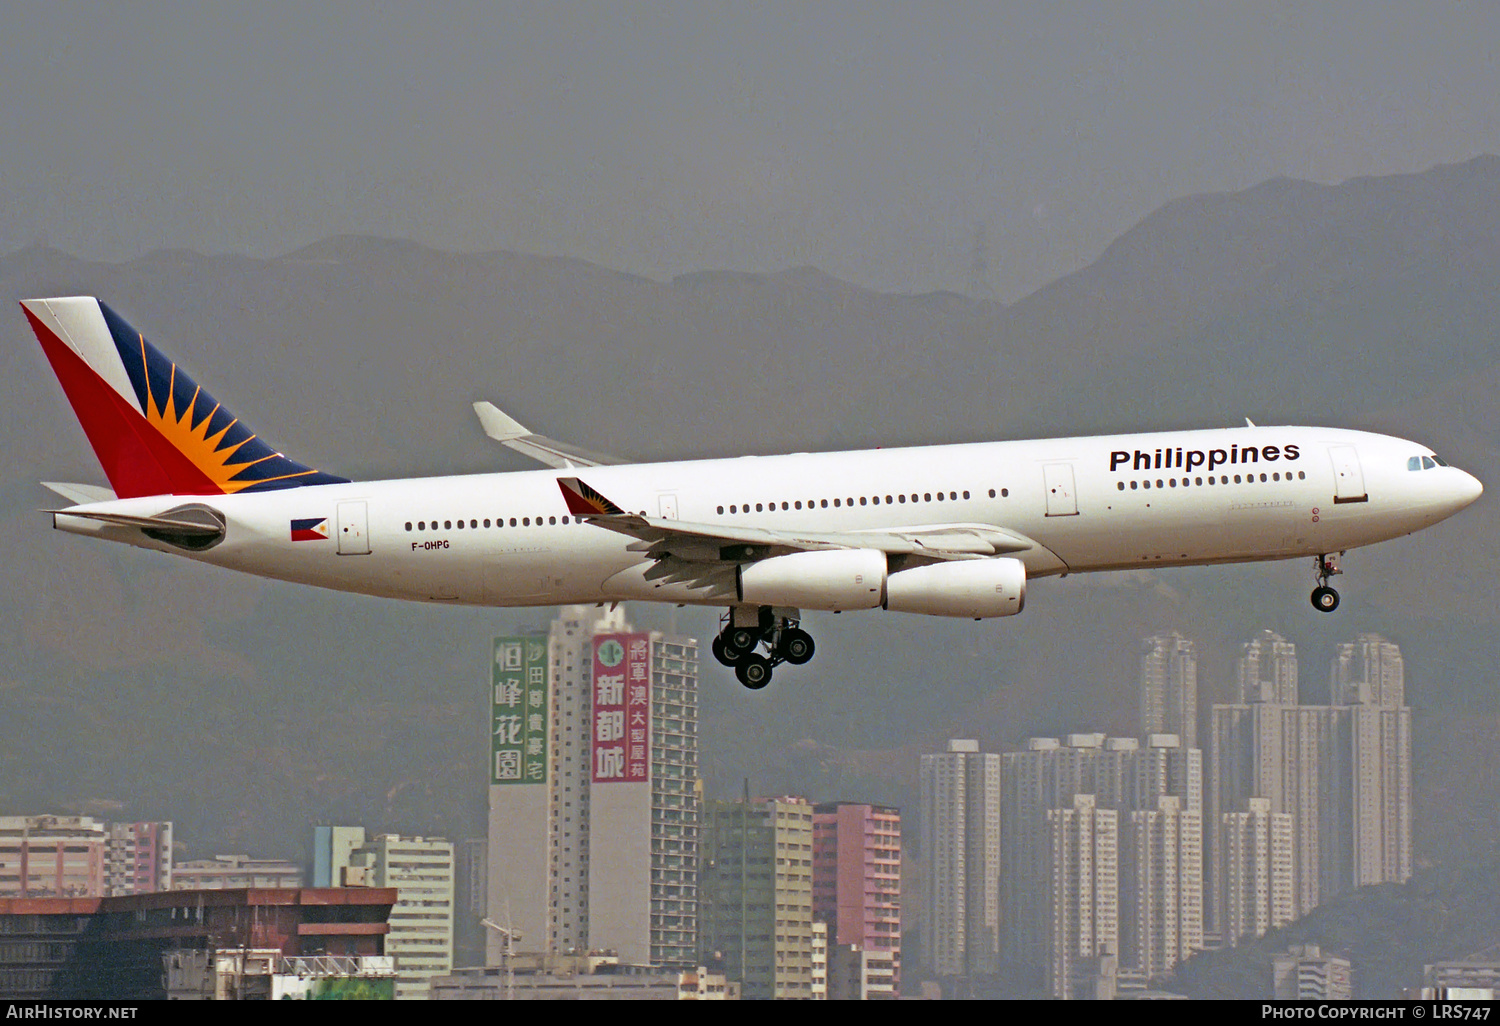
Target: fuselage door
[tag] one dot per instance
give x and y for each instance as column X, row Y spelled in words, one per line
column 1348, row 477
column 1062, row 500
column 667, row 503
column 354, row 529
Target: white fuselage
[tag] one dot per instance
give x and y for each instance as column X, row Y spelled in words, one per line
column 1090, row 503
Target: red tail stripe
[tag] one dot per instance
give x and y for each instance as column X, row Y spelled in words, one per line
column 136, row 458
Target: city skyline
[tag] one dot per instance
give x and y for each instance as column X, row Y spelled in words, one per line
column 1128, row 814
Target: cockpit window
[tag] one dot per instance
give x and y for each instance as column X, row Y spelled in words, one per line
column 1415, row 463
column 1428, row 463
column 1424, row 462
column 1439, row 461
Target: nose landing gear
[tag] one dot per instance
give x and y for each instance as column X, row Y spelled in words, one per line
column 1324, row 598
column 784, row 641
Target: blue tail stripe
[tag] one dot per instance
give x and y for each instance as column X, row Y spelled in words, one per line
column 151, row 374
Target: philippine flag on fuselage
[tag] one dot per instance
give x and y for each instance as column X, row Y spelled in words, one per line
column 312, row 529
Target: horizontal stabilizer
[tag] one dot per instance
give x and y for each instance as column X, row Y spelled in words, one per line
column 81, row 493
column 180, row 525
column 510, row 433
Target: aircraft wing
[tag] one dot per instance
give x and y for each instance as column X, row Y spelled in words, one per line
column 513, row 435
column 706, row 555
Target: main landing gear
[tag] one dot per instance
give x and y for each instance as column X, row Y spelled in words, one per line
column 1324, row 598
column 784, row 642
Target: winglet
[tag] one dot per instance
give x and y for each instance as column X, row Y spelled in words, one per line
column 583, row 500
column 497, row 424
column 512, row 434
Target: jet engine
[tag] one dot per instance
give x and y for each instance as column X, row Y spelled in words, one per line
column 834, row 579
column 976, row 588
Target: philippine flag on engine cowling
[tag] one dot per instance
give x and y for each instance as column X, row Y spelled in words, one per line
column 312, row 529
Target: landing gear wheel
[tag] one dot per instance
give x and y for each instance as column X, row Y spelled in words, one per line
column 740, row 640
column 753, row 671
column 796, row 646
column 1324, row 598
column 720, row 652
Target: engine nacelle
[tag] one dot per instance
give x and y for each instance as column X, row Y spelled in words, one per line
column 834, row 579
column 966, row 587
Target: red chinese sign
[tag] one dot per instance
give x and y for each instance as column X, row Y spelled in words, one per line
column 621, row 720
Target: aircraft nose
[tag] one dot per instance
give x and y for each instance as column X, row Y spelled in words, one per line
column 1460, row 492
column 1468, row 489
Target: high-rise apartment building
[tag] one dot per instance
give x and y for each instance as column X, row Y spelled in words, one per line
column 593, row 839
column 1266, row 670
column 139, row 858
column 1161, row 886
column 1082, row 891
column 857, row 892
column 1368, row 671
column 1123, row 776
column 421, row 921
column 1342, row 772
column 1169, row 687
column 1256, row 870
column 961, row 843
column 755, row 888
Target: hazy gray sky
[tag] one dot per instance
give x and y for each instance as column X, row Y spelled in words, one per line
column 867, row 139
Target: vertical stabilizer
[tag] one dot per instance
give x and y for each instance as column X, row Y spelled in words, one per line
column 154, row 429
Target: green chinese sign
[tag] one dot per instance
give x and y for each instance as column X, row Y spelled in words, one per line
column 518, row 735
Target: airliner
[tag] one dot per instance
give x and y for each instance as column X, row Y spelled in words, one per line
column 948, row 530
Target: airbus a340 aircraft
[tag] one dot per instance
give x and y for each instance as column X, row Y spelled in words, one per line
column 952, row 530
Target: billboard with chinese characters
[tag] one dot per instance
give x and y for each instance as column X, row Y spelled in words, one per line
column 518, row 720
column 622, row 708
